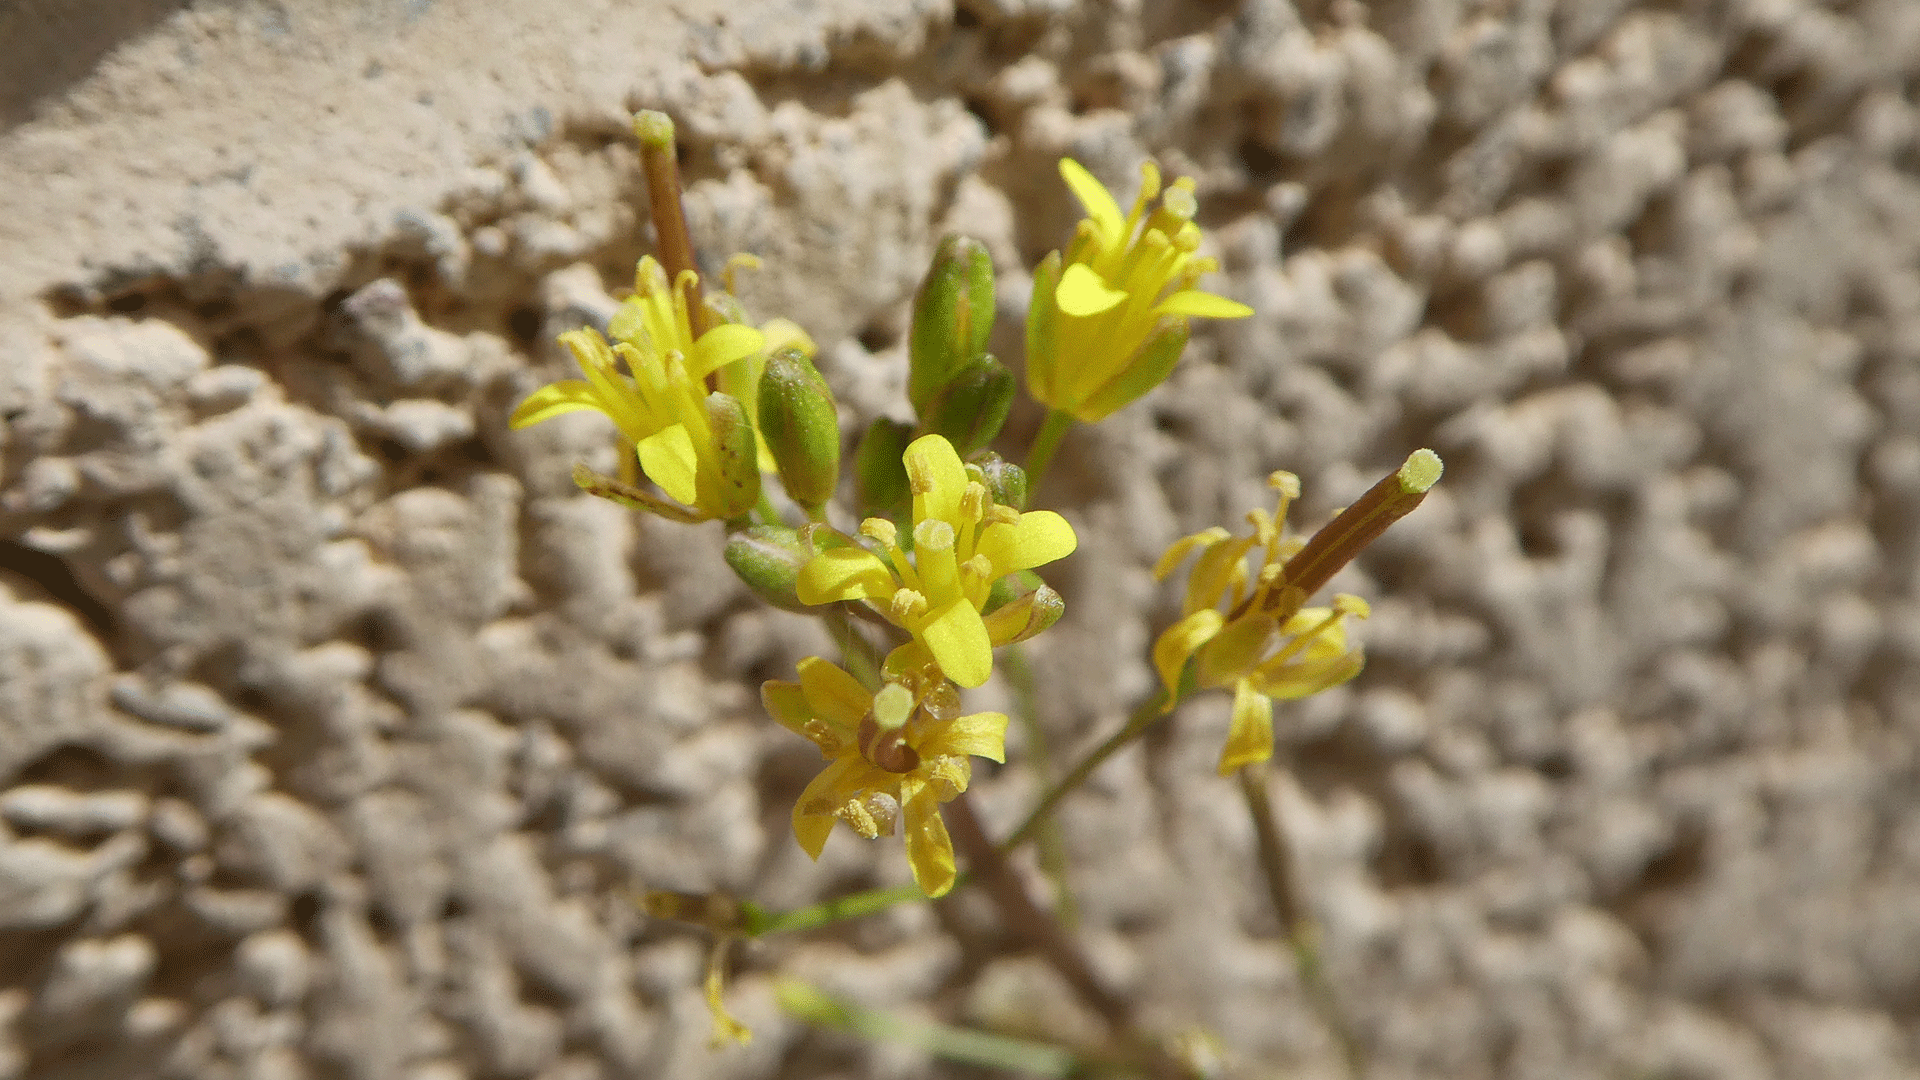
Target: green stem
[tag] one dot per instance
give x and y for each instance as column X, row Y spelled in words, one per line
column 1026, row 703
column 1143, row 717
column 997, row 1053
column 758, row 922
column 862, row 660
column 1052, row 430
column 1276, row 863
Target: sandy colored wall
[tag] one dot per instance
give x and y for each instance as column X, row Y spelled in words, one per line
column 335, row 725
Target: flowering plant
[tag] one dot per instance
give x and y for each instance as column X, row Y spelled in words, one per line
column 940, row 571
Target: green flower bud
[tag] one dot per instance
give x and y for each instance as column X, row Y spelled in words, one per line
column 1149, row 367
column 952, row 317
column 878, row 470
column 1006, row 481
column 801, row 425
column 971, row 407
column 736, row 488
column 768, row 558
column 1025, row 616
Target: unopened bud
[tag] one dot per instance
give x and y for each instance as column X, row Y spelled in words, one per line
column 878, row 471
column 1025, row 616
column 972, row 406
column 737, row 486
column 952, row 317
column 768, row 558
column 1006, row 481
column 801, row 425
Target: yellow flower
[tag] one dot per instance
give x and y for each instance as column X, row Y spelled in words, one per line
column 1109, row 321
column 686, row 439
column 1249, row 630
column 962, row 543
column 894, row 755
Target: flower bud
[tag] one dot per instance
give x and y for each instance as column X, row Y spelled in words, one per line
column 801, row 425
column 1007, row 481
column 878, row 470
column 971, row 407
column 736, row 487
column 952, row 317
column 1025, row 616
column 768, row 558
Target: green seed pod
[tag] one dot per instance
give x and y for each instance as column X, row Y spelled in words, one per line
column 736, row 487
column 878, row 471
column 952, row 317
column 801, row 425
column 1006, row 481
column 1150, row 366
column 973, row 405
column 1023, row 617
column 768, row 558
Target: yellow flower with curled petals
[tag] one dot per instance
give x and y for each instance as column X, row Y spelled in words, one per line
column 962, row 543
column 1109, row 318
column 892, row 756
column 1248, row 630
column 685, row 439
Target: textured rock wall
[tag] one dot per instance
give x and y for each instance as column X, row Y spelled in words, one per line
column 335, row 726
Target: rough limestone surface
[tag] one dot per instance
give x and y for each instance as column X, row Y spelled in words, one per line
column 337, row 730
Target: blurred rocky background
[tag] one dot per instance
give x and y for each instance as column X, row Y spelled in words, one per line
column 337, row 729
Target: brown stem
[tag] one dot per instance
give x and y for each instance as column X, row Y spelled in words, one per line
column 1025, row 918
column 662, row 167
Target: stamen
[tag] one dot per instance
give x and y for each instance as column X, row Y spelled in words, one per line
column 881, row 530
column 975, row 501
column 933, row 535
column 906, row 607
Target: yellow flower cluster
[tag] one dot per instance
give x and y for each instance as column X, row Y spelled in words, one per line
column 686, row 441
column 1109, row 319
column 1248, row 630
column 962, row 542
column 895, row 754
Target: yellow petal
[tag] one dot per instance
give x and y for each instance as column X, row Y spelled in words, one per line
column 723, row 345
column 1098, row 201
column 958, row 640
column 1204, row 305
column 980, row 735
column 833, row 695
column 565, row 396
column 937, row 478
column 1082, row 293
column 929, row 848
column 786, row 702
column 667, row 457
column 1235, row 651
column 1301, row 678
column 848, row 573
column 1178, row 551
column 726, row 1029
column 813, row 810
column 783, row 332
column 1250, row 734
column 1036, row 539
column 1179, row 642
